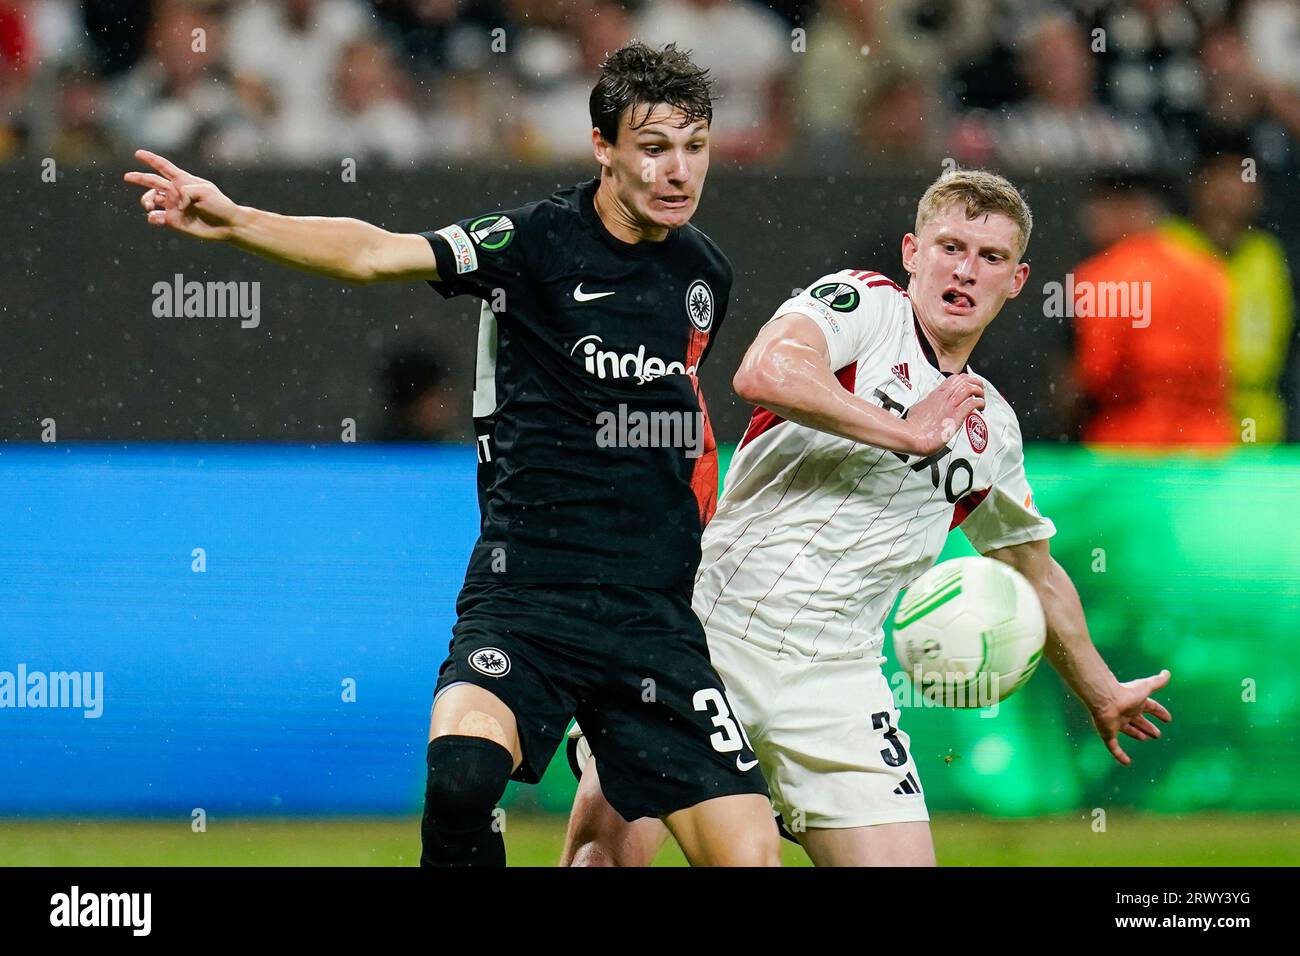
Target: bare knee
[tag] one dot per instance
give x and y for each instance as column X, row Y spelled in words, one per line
column 598, row 836
column 763, row 850
column 635, row 848
column 593, row 853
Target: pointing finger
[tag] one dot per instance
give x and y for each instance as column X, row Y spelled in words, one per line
column 160, row 163
column 150, row 180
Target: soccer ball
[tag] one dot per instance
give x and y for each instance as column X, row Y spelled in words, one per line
column 969, row 632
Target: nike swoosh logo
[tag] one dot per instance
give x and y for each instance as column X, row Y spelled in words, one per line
column 588, row 296
column 743, row 765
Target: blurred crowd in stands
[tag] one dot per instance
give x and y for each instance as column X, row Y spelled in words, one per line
column 1202, row 92
column 1028, row 85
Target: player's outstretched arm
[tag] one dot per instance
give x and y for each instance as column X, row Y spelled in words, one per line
column 1115, row 708
column 346, row 249
column 787, row 370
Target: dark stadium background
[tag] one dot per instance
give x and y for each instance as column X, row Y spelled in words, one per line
column 80, row 277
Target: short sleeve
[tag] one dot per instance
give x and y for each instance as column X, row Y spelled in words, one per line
column 851, row 314
column 1004, row 514
column 479, row 255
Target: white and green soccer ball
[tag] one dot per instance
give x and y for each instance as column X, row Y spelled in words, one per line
column 969, row 632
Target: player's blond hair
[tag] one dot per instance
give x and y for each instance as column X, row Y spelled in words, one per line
column 980, row 191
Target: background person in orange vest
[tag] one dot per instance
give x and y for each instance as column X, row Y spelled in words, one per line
column 1149, row 318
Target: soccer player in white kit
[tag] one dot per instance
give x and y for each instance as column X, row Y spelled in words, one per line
column 872, row 440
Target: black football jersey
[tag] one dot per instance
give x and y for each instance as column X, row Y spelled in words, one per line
column 597, row 463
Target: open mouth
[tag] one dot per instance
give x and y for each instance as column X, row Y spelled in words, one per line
column 674, row 202
column 958, row 302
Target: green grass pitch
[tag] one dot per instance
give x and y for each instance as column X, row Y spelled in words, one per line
column 535, row 840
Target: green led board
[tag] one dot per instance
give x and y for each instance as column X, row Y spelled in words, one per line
column 1185, row 562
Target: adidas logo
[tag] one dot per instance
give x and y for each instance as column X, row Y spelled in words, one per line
column 900, row 372
column 909, row 786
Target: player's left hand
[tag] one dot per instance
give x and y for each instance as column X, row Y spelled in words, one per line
column 1125, row 711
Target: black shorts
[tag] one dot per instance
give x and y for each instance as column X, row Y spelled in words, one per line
column 632, row 664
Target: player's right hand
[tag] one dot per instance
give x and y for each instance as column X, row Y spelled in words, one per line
column 1125, row 711
column 937, row 417
column 182, row 201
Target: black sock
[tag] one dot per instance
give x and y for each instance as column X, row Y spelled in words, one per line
column 467, row 776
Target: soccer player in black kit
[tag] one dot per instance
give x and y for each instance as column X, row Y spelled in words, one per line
column 597, row 470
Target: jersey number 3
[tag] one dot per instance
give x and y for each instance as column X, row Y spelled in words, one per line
column 730, row 736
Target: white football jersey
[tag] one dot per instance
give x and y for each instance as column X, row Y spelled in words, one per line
column 815, row 535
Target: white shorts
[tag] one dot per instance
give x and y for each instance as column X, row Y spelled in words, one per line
column 825, row 733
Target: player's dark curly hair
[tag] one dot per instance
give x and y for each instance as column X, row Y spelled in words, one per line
column 640, row 75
